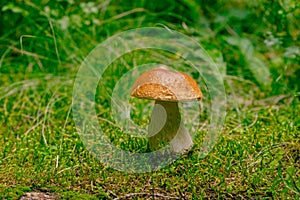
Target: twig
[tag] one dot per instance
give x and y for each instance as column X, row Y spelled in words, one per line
column 33, row 127
column 182, row 195
column 21, row 41
column 146, row 194
column 68, row 168
column 54, row 40
column 112, row 193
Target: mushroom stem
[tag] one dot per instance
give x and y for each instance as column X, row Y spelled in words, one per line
column 167, row 127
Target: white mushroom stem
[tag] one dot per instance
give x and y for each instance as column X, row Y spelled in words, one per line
column 167, row 127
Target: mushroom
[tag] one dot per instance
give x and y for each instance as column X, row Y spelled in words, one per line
column 167, row 88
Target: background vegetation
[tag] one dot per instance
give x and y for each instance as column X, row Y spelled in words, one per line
column 255, row 43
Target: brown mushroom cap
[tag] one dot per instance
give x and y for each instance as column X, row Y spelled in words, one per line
column 166, row 85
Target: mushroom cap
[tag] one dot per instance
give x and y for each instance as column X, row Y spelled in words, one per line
column 166, row 85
